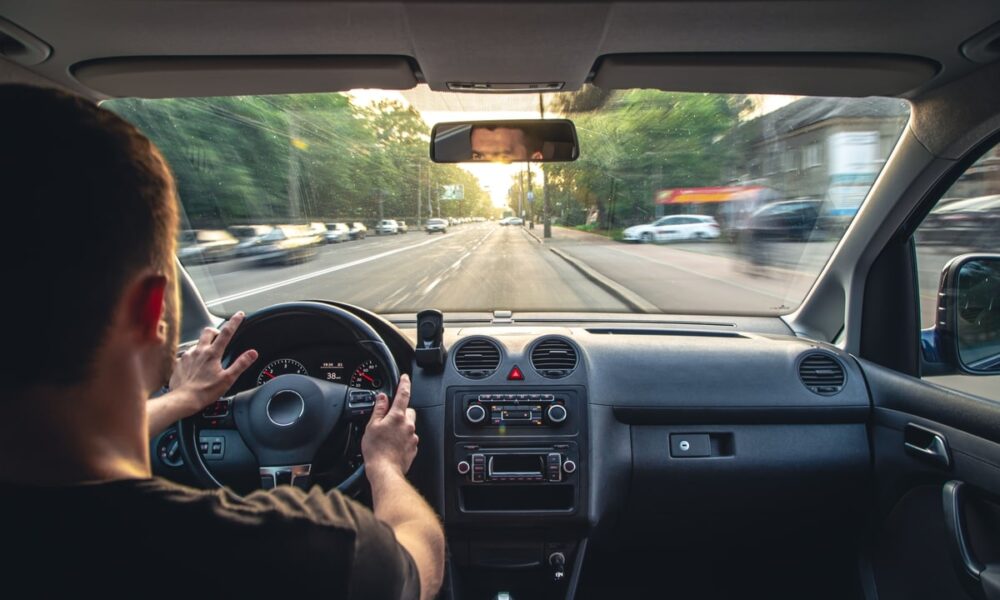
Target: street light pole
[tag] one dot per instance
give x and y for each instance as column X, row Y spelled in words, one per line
column 546, row 209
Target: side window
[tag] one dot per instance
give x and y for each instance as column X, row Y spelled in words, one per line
column 966, row 219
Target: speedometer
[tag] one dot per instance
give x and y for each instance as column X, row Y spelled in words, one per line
column 277, row 368
column 368, row 376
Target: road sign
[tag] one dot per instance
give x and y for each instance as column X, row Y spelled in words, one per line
column 453, row 192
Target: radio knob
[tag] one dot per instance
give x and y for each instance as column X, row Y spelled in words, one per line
column 557, row 413
column 569, row 466
column 475, row 414
column 464, row 467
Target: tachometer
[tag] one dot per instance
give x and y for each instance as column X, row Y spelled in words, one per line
column 368, row 376
column 277, row 368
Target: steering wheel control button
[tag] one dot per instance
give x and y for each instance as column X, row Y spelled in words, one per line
column 212, row 447
column 360, row 402
column 218, row 409
column 475, row 413
column 557, row 413
column 690, row 445
column 285, row 408
column 464, row 467
column 569, row 466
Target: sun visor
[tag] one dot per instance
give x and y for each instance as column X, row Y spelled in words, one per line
column 794, row 74
column 173, row 77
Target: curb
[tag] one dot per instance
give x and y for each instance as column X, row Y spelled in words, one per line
column 630, row 298
column 528, row 231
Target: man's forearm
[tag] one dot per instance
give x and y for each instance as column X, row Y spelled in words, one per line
column 165, row 410
column 415, row 524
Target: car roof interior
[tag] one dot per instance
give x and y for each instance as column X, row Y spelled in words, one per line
column 199, row 48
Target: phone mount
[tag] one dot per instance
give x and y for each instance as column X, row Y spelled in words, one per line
column 430, row 352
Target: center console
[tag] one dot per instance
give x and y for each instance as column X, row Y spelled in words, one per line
column 516, row 483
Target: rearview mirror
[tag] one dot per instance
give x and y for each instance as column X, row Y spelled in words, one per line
column 534, row 140
column 967, row 331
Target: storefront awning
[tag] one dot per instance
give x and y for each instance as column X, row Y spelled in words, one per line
column 704, row 195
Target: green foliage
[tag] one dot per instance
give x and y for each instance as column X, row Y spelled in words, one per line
column 308, row 157
column 635, row 142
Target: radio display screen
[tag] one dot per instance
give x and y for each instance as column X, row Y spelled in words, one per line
column 517, row 464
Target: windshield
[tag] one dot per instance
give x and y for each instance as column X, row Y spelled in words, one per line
column 591, row 235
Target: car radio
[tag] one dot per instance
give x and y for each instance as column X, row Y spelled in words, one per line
column 515, row 409
column 502, row 464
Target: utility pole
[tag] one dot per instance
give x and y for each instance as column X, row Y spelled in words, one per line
column 546, row 209
column 531, row 197
column 420, row 190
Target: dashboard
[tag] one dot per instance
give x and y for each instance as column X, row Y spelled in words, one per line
column 538, row 440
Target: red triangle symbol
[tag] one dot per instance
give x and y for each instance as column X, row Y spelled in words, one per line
column 515, row 374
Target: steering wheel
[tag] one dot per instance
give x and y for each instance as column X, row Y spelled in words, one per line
column 285, row 421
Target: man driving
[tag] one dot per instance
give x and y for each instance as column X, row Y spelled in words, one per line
column 94, row 324
column 504, row 144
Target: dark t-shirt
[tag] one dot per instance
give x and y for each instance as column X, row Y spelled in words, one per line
column 152, row 537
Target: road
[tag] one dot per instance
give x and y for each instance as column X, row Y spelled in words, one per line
column 484, row 267
column 474, row 267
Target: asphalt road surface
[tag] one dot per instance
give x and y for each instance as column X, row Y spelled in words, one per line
column 473, row 267
column 484, row 267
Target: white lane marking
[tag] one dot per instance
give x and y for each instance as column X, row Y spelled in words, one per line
column 433, row 285
column 320, row 273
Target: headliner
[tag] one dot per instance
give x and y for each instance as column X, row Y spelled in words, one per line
column 494, row 41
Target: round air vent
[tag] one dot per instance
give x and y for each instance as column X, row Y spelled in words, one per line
column 477, row 358
column 553, row 358
column 822, row 374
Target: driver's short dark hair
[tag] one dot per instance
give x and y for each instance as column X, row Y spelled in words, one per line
column 88, row 202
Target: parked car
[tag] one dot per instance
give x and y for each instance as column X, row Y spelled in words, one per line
column 248, row 236
column 286, row 245
column 358, row 230
column 337, row 232
column 319, row 230
column 403, row 227
column 387, row 227
column 972, row 223
column 200, row 246
column 512, row 221
column 436, row 225
column 674, row 228
column 789, row 220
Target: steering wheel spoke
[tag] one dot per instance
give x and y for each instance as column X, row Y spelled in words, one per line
column 298, row 475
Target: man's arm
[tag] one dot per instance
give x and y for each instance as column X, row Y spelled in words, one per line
column 389, row 446
column 199, row 379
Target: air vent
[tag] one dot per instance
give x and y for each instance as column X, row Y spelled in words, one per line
column 822, row 374
column 477, row 358
column 554, row 358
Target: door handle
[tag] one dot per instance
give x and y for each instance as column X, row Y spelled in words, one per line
column 926, row 444
column 983, row 581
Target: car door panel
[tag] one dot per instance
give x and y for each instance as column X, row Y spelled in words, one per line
column 914, row 553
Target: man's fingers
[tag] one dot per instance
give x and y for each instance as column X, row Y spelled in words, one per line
column 402, row 400
column 227, row 331
column 380, row 409
column 411, row 416
column 207, row 335
column 240, row 365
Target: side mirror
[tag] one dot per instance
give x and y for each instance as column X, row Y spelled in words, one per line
column 966, row 335
column 533, row 140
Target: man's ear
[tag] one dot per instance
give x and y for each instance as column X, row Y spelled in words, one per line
column 145, row 308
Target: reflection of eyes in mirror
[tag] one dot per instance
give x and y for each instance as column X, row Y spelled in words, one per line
column 504, row 144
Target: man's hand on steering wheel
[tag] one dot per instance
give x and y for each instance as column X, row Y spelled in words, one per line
column 198, row 379
column 390, row 440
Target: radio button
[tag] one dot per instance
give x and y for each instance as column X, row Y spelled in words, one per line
column 557, row 413
column 478, row 467
column 475, row 413
column 464, row 467
column 569, row 466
